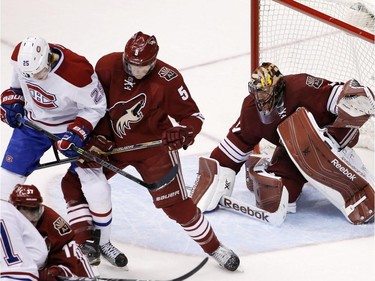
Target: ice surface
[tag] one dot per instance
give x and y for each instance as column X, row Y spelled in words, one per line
column 209, row 42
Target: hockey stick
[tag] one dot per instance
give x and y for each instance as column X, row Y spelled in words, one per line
column 162, row 182
column 275, row 218
column 116, row 150
column 57, row 162
column 132, row 147
column 180, row 278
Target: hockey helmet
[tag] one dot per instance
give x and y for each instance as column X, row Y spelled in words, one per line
column 34, row 58
column 140, row 53
column 28, row 200
column 267, row 85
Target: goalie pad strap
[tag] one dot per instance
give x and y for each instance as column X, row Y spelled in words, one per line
column 312, row 153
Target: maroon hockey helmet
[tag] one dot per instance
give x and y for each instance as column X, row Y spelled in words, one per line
column 26, row 195
column 141, row 49
column 28, row 200
column 140, row 53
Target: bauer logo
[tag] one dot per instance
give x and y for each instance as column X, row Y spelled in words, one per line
column 245, row 210
column 167, row 196
column 343, row 170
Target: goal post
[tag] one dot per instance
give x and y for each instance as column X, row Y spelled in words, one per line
column 332, row 39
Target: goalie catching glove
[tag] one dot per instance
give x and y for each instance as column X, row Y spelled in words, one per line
column 178, row 137
column 355, row 105
column 75, row 135
column 12, row 103
column 95, row 146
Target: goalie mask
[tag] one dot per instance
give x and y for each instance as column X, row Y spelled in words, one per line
column 34, row 58
column 28, row 200
column 267, row 85
column 140, row 53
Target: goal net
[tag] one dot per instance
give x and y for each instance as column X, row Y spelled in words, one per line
column 332, row 39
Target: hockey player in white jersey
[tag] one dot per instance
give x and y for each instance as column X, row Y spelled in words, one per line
column 58, row 90
column 23, row 249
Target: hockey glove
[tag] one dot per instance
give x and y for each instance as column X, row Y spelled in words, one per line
column 178, row 137
column 95, row 145
column 12, row 103
column 75, row 135
column 51, row 273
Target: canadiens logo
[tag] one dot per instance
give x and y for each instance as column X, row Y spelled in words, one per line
column 124, row 113
column 314, row 82
column 62, row 226
column 41, row 97
column 167, row 74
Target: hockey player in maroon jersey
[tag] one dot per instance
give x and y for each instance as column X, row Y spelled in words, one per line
column 142, row 93
column 273, row 107
column 64, row 256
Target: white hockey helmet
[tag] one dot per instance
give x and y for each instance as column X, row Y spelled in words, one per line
column 33, row 57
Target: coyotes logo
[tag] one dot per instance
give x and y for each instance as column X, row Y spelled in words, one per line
column 124, row 113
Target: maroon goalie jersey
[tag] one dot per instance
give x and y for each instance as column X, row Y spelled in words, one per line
column 138, row 110
column 301, row 90
column 62, row 249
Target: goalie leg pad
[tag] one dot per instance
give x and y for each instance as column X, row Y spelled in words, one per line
column 316, row 157
column 267, row 189
column 213, row 181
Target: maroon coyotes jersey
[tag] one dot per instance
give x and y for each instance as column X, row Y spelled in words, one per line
column 62, row 249
column 301, row 90
column 138, row 110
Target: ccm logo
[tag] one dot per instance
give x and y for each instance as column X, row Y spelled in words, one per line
column 246, row 210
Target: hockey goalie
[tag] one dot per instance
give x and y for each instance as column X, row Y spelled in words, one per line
column 314, row 125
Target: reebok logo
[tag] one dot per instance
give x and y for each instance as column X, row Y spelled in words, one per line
column 343, row 170
column 246, row 210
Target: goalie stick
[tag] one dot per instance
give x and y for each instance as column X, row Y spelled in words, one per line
column 162, row 182
column 180, row 278
column 116, row 150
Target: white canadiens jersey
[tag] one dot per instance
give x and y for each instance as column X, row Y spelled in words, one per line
column 23, row 250
column 71, row 90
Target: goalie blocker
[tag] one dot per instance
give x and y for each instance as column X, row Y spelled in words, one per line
column 349, row 187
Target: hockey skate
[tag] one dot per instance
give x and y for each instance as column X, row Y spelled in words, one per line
column 226, row 258
column 91, row 249
column 113, row 255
